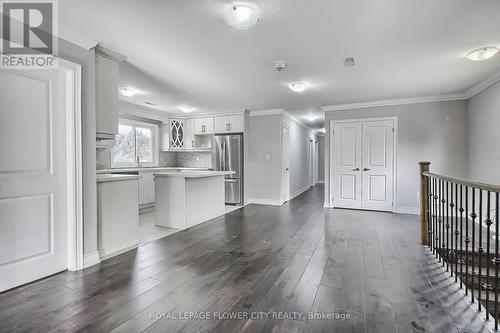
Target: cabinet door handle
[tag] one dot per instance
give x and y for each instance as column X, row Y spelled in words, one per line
column 357, row 169
column 366, row 169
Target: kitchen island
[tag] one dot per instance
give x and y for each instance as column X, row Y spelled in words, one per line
column 187, row 198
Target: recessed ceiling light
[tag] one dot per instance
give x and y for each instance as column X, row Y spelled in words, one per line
column 127, row 92
column 298, row 86
column 186, row 108
column 242, row 15
column 150, row 103
column 482, row 53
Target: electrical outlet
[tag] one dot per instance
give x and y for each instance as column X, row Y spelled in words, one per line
column 268, row 156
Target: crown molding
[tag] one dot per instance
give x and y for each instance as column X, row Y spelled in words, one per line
column 398, row 101
column 283, row 113
column 107, row 53
column 482, row 85
column 469, row 93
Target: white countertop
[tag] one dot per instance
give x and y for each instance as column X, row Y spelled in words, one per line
column 193, row 174
column 111, row 178
column 100, row 171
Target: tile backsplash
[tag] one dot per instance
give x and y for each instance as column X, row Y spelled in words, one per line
column 194, row 160
column 186, row 160
column 103, row 158
column 167, row 159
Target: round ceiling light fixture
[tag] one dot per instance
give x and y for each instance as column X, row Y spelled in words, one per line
column 127, row 92
column 242, row 15
column 482, row 53
column 186, row 108
column 298, row 86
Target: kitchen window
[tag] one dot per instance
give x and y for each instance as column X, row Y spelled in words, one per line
column 136, row 144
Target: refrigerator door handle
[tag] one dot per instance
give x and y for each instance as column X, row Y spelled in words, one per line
column 230, row 180
column 223, row 165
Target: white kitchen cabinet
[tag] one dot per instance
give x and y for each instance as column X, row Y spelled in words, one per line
column 117, row 214
column 165, row 136
column 188, row 133
column 230, row 123
column 203, row 125
column 146, row 187
column 177, row 133
column 106, row 96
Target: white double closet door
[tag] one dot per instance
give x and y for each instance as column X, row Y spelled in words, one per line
column 363, row 164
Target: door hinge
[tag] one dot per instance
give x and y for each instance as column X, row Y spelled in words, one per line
column 392, row 203
column 393, row 130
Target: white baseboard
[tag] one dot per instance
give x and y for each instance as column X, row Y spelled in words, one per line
column 91, row 259
column 407, row 210
column 113, row 254
column 327, row 205
column 299, row 192
column 269, row 202
column 320, row 182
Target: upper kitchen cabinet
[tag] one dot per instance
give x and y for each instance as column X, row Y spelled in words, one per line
column 106, row 94
column 230, row 123
column 203, row 125
column 177, row 133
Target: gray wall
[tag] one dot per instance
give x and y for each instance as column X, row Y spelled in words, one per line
column 85, row 58
column 321, row 158
column 427, row 131
column 265, row 173
column 264, row 138
column 483, row 115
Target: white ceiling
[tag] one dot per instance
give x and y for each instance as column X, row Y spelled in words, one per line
column 182, row 52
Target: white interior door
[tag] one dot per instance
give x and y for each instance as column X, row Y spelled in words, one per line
column 347, row 164
column 33, row 176
column 377, row 171
column 285, row 155
column 363, row 164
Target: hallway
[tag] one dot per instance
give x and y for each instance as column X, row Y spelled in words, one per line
column 269, row 266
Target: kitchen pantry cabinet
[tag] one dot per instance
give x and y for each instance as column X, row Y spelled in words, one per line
column 106, row 93
column 203, row 125
column 229, row 124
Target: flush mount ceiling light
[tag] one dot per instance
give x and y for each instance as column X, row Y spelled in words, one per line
column 298, row 86
column 311, row 117
column 242, row 15
column 127, row 92
column 186, row 108
column 482, row 53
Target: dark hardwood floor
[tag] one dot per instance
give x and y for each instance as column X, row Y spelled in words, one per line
column 258, row 263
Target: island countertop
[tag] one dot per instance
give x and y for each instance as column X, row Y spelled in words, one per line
column 192, row 174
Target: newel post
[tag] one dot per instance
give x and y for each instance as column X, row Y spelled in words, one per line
column 424, row 203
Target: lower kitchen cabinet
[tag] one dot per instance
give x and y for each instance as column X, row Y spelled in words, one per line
column 117, row 214
column 146, row 187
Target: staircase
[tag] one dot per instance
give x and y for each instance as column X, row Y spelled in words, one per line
column 477, row 274
column 460, row 224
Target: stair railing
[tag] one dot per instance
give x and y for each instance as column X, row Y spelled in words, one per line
column 460, row 225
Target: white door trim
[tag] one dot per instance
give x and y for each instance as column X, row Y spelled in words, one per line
column 395, row 159
column 74, row 162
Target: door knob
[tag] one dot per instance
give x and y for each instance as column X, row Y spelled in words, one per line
column 366, row 169
column 357, row 169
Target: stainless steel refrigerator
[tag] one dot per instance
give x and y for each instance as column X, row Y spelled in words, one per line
column 227, row 155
